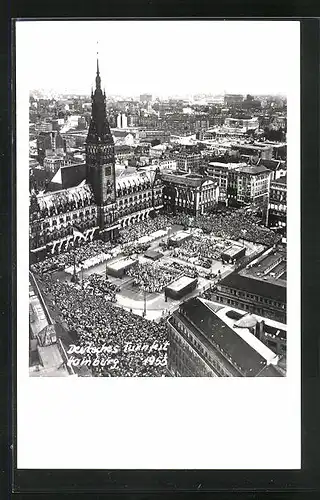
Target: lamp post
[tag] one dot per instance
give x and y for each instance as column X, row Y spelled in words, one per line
column 82, row 284
column 144, row 302
column 74, row 278
column 169, row 233
column 243, row 234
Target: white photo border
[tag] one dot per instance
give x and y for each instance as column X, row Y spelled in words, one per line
column 171, row 423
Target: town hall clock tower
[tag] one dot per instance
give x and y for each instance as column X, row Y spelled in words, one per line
column 100, row 160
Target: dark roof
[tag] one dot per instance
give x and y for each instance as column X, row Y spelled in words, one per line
column 281, row 180
column 71, row 176
column 234, row 315
column 255, row 286
column 216, row 331
column 270, row 164
column 153, row 254
column 39, row 174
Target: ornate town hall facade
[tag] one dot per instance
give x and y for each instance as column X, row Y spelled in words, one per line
column 90, row 197
column 100, row 204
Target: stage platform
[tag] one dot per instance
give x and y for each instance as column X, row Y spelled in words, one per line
column 233, row 253
column 179, row 238
column 119, row 267
column 180, row 287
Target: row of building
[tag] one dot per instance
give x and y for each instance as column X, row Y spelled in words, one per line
column 241, row 330
column 160, row 188
column 206, row 340
column 93, row 198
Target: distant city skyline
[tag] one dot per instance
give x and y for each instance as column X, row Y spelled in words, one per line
column 199, row 95
column 163, row 58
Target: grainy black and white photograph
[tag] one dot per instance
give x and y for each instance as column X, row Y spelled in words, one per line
column 157, row 204
column 158, row 242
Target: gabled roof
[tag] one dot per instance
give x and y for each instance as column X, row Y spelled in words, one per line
column 68, row 176
column 136, row 179
column 57, row 178
column 81, row 192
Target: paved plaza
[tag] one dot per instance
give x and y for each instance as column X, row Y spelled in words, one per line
column 155, row 305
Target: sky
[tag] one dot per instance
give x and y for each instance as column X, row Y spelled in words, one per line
column 158, row 57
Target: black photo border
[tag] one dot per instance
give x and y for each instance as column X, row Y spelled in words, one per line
column 151, row 483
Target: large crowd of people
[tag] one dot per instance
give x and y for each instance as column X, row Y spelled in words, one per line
column 202, row 249
column 98, row 285
column 126, row 344
column 152, row 277
column 114, row 342
column 145, row 228
column 185, row 269
column 230, row 225
column 233, row 225
column 79, row 254
column 135, row 247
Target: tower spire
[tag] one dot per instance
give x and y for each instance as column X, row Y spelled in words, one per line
column 100, row 158
column 99, row 130
column 98, row 79
column 98, row 73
